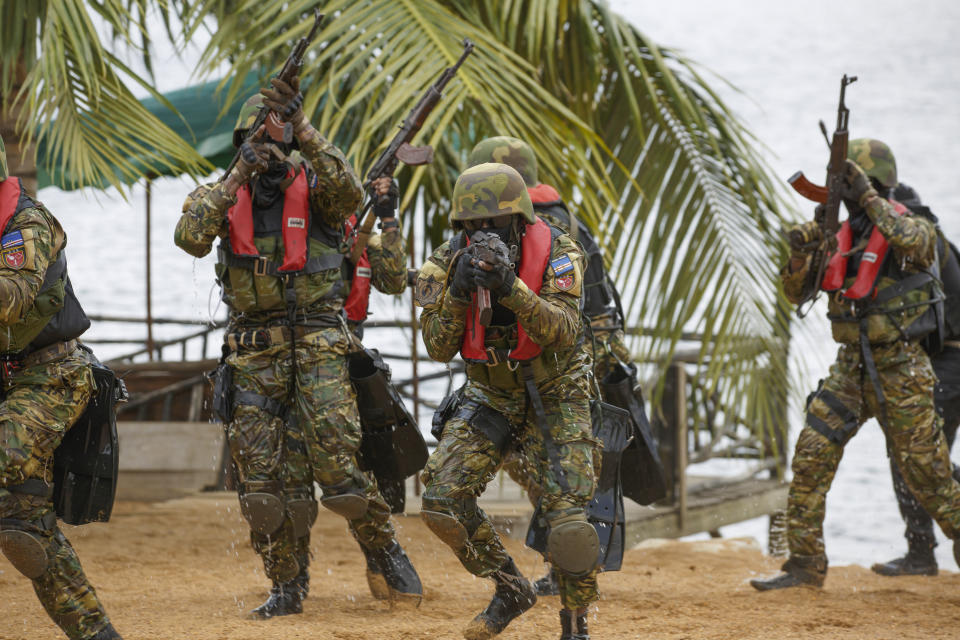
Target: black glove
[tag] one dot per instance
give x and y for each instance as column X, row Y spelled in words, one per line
column 805, row 237
column 254, row 158
column 856, row 183
column 285, row 99
column 499, row 279
column 385, row 205
column 461, row 285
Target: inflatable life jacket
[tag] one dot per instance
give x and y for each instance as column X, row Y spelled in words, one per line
column 537, row 243
column 251, row 268
column 358, row 300
column 56, row 314
column 881, row 299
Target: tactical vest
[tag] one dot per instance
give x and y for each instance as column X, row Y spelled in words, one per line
column 599, row 295
column 358, row 300
column 890, row 304
column 252, row 267
column 537, row 243
column 56, row 314
column 950, row 275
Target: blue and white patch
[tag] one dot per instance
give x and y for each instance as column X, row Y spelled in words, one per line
column 561, row 265
column 314, row 181
column 11, row 240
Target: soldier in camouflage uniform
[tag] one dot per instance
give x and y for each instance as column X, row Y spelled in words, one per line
column 920, row 559
column 290, row 409
column 45, row 384
column 528, row 390
column 881, row 305
column 601, row 306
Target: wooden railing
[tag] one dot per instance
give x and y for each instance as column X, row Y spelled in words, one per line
column 691, row 426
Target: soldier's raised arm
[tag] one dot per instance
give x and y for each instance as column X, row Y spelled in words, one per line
column 336, row 188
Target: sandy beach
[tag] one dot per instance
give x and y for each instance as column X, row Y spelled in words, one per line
column 184, row 569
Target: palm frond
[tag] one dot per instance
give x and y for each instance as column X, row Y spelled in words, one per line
column 75, row 99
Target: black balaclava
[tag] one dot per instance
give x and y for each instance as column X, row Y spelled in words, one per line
column 269, row 185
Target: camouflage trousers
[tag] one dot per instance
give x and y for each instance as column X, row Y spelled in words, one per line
column 466, row 460
column 39, row 405
column 844, row 401
column 315, row 439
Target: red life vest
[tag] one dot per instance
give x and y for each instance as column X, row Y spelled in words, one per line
column 543, row 194
column 870, row 262
column 537, row 242
column 296, row 224
column 358, row 300
column 9, row 197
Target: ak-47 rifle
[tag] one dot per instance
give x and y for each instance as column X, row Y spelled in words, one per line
column 830, row 196
column 400, row 149
column 290, row 69
column 489, row 248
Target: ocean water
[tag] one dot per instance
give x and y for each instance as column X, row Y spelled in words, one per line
column 784, row 62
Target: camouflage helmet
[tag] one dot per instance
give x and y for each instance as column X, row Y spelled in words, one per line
column 248, row 115
column 3, row 162
column 510, row 151
column 489, row 190
column 876, row 159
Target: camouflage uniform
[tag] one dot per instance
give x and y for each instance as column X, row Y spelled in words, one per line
column 38, row 404
column 303, row 426
column 848, row 397
column 601, row 309
column 466, row 458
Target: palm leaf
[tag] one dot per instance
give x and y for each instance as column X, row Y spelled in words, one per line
column 75, row 99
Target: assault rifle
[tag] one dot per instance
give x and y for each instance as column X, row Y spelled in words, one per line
column 829, row 196
column 290, row 69
column 401, row 150
column 489, row 248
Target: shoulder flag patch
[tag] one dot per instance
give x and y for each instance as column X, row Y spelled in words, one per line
column 561, row 265
column 12, row 252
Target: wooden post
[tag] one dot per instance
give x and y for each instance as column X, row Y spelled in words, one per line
column 414, row 355
column 680, row 456
column 149, row 293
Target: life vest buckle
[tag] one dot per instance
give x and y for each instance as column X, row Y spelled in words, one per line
column 260, row 266
column 493, row 357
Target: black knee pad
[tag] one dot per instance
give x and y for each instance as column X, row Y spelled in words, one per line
column 345, row 500
column 262, row 504
column 23, row 545
column 447, row 518
column 573, row 543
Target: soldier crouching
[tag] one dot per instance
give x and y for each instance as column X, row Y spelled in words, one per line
column 527, row 391
column 45, row 384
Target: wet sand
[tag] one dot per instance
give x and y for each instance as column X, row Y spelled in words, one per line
column 184, row 570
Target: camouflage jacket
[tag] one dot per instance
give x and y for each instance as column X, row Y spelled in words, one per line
column 912, row 240
column 335, row 194
column 43, row 239
column 37, row 303
column 551, row 319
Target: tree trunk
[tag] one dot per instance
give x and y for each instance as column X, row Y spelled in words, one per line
column 21, row 160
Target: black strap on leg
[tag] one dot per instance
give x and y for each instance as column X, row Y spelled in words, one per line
column 32, row 487
column 526, row 371
column 871, row 368
column 269, row 405
column 850, row 419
